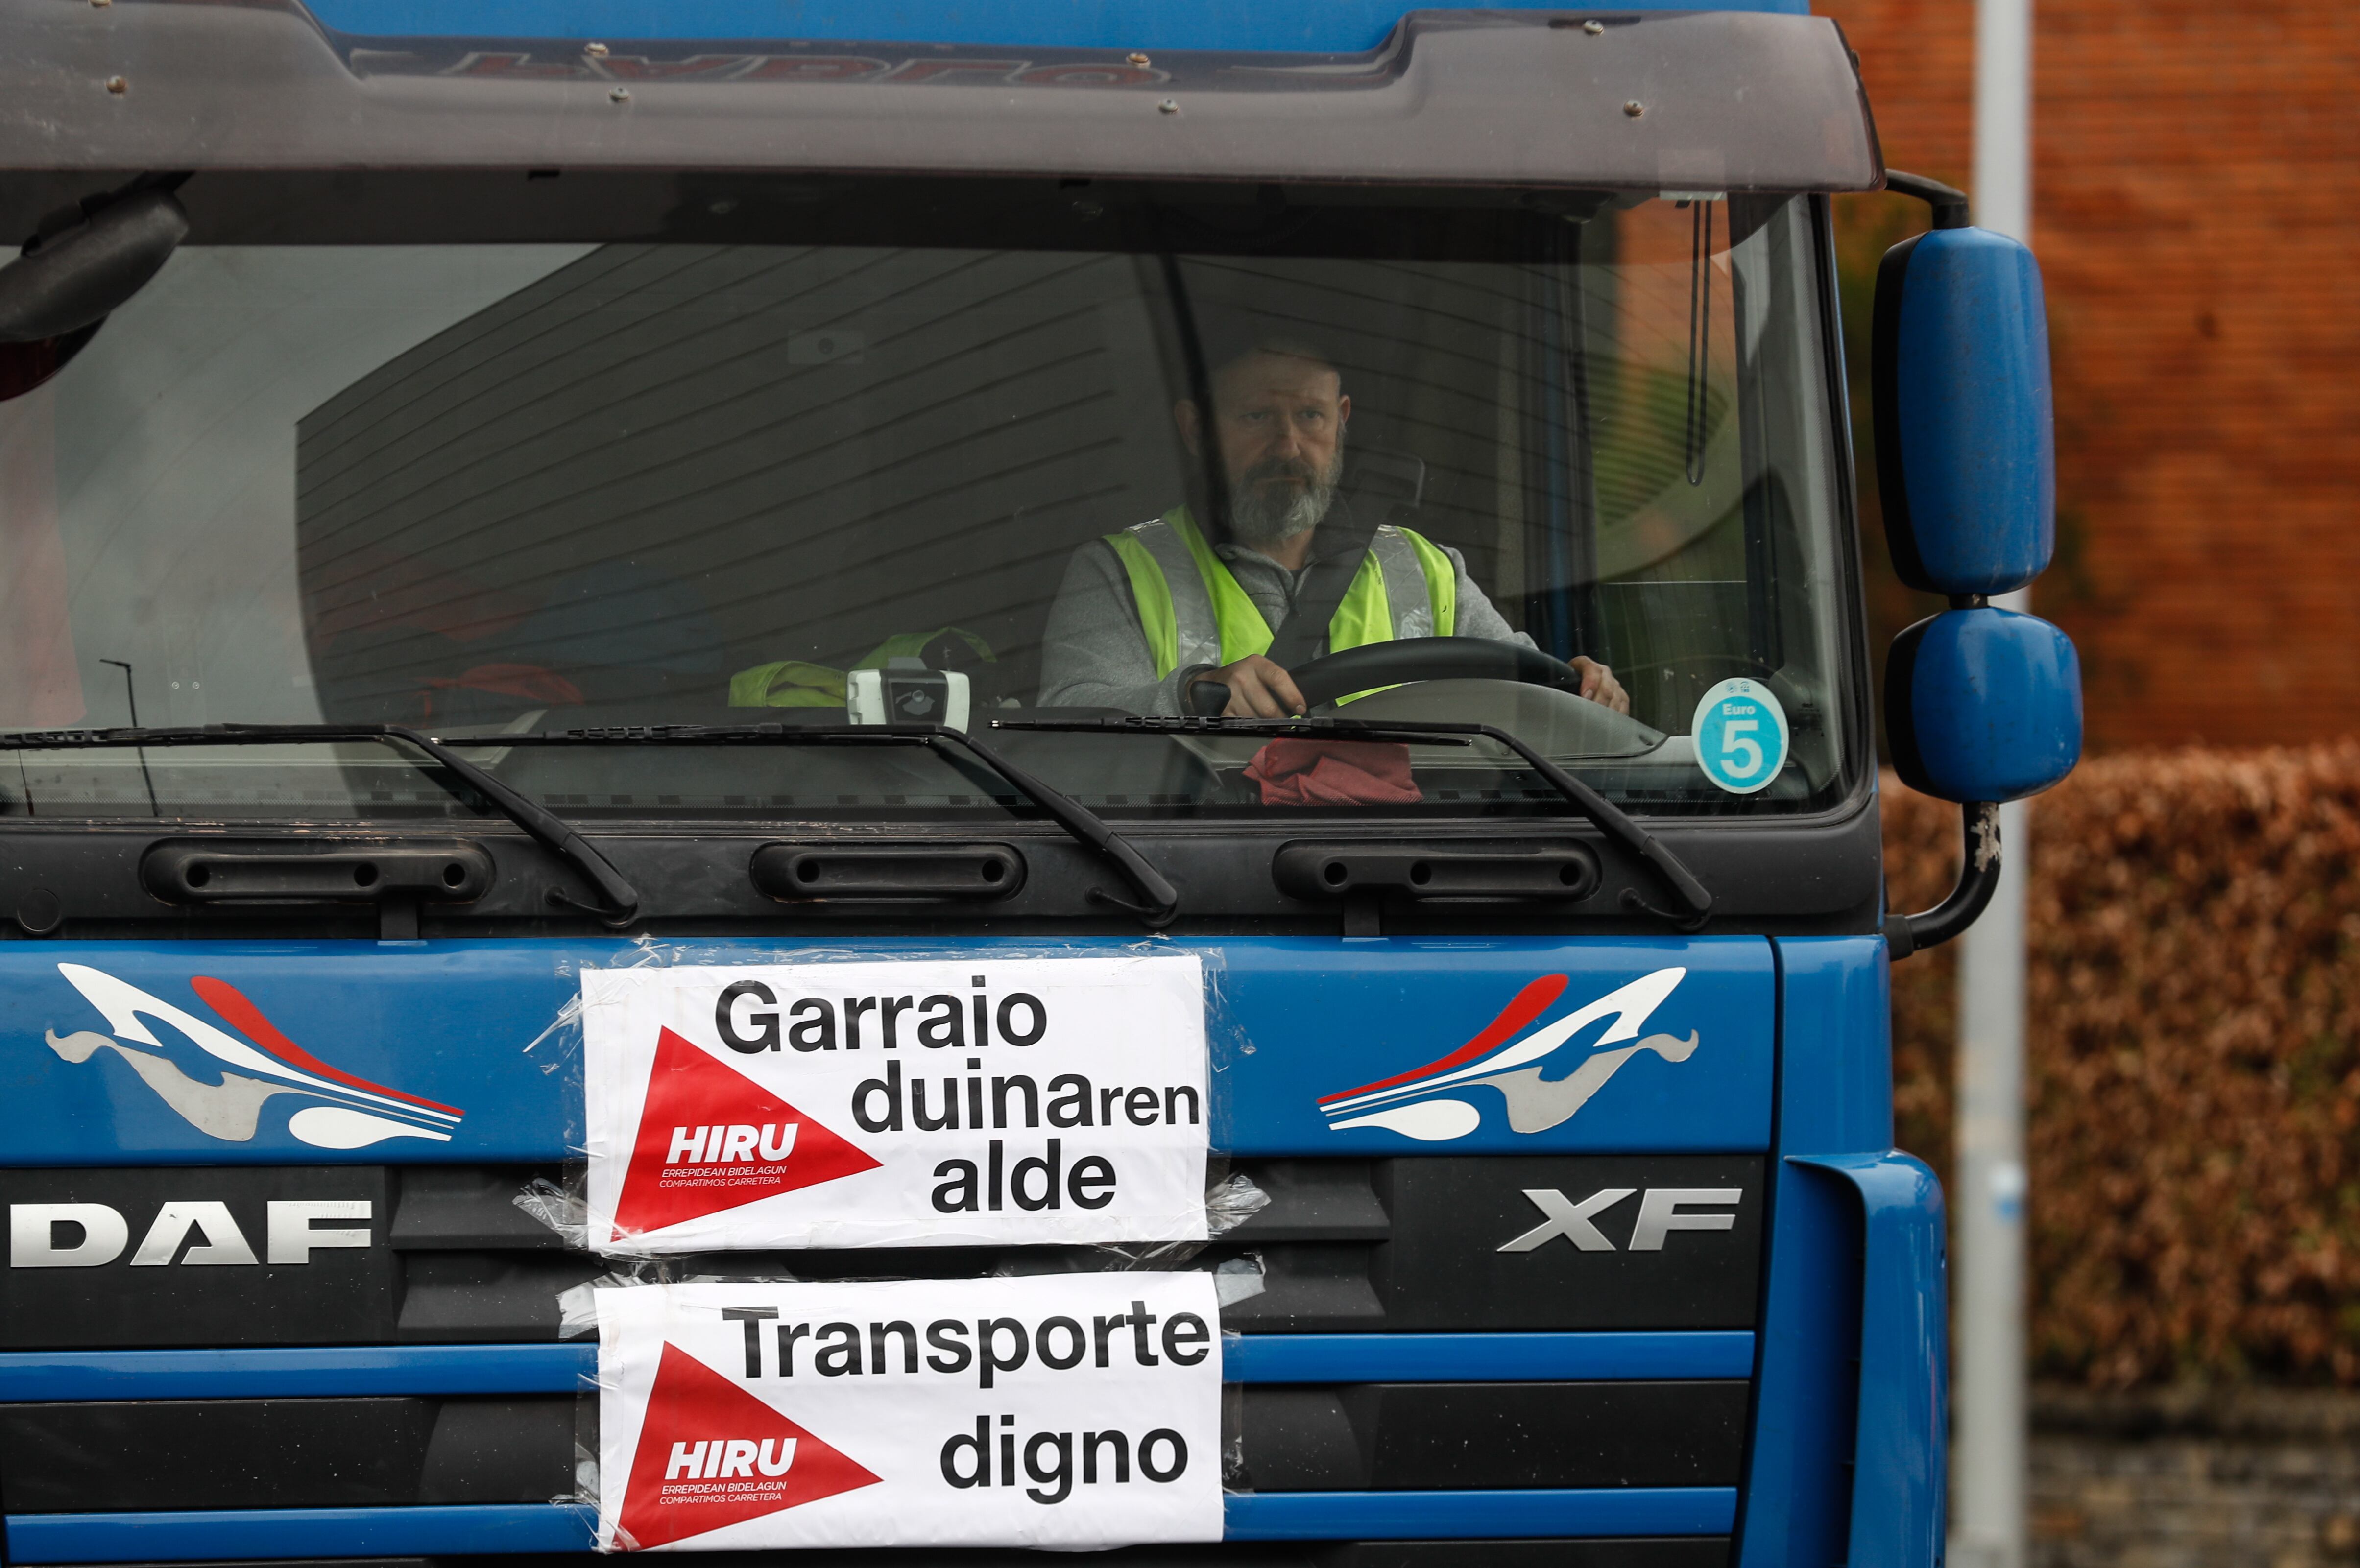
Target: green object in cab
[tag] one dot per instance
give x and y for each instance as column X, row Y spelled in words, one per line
column 797, row 683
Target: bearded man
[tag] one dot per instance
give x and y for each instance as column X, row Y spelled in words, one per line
column 1144, row 614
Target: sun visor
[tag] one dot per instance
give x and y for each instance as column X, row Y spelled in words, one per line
column 1702, row 101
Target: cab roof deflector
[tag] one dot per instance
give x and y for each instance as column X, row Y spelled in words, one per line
column 1678, row 101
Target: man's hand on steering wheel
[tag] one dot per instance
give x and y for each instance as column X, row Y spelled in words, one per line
column 1260, row 688
column 1598, row 684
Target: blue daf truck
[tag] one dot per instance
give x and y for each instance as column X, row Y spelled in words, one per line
column 1363, row 498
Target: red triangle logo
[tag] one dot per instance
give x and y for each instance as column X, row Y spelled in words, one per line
column 712, row 1138
column 711, row 1454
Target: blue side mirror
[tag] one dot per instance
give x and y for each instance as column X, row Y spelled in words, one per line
column 1982, row 705
column 1966, row 464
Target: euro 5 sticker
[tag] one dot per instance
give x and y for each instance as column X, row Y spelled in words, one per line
column 1741, row 736
column 895, row 1104
column 1072, row 1411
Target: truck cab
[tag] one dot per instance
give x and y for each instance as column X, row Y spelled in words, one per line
column 503, row 517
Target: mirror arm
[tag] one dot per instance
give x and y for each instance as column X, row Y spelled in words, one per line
column 1979, row 868
column 1948, row 202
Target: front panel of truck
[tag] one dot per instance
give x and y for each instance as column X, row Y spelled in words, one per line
column 573, row 519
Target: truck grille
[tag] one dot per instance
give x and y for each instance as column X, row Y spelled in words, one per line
column 1580, row 1363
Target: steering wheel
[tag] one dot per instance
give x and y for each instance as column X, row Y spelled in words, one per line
column 1405, row 660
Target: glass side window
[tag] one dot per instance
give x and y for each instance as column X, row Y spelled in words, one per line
column 1566, row 471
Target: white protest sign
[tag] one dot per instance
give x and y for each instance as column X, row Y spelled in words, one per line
column 973, row 1101
column 1063, row 1411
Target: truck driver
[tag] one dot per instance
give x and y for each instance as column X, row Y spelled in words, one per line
column 1146, row 614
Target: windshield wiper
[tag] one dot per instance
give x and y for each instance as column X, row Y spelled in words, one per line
column 1609, row 818
column 1160, row 901
column 545, row 827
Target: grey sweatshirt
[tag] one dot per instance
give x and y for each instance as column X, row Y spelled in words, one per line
column 1095, row 656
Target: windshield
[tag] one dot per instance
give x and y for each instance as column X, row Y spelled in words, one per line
column 836, row 453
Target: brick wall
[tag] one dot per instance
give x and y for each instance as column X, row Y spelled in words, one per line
column 2196, row 211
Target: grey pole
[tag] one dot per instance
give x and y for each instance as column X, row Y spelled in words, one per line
column 1987, row 1387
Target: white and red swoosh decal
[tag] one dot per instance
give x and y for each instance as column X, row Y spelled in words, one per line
column 339, row 1123
column 1411, row 1104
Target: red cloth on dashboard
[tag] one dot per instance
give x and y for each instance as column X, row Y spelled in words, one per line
column 529, row 682
column 1334, row 773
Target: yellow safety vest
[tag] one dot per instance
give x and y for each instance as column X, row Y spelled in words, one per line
column 1364, row 615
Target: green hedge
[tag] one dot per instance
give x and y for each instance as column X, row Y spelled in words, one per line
column 2194, row 1073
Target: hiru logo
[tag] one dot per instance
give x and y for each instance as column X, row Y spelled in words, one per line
column 190, row 1232
column 724, row 1457
column 685, row 1482
column 736, row 1144
column 1659, row 1216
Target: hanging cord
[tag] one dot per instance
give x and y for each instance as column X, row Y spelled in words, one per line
column 130, row 701
column 1700, row 334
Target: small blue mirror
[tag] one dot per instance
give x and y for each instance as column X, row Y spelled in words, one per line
column 1982, row 705
column 1965, row 461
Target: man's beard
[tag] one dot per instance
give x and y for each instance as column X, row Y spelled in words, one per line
column 1263, row 511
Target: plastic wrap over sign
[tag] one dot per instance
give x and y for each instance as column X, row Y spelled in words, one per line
column 895, row 1104
column 1060, row 1410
